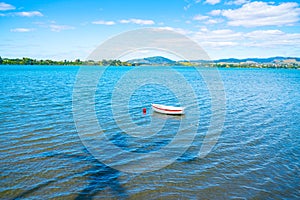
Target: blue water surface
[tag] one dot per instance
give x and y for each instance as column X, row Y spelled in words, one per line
column 43, row 157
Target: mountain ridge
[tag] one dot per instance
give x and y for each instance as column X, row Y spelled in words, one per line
column 151, row 60
column 163, row 60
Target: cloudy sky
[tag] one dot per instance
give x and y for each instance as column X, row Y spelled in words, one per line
column 71, row 29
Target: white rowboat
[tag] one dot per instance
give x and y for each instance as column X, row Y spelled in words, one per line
column 171, row 110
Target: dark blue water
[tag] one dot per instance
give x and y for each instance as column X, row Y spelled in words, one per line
column 42, row 156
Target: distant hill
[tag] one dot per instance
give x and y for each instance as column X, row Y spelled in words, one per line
column 156, row 60
column 159, row 60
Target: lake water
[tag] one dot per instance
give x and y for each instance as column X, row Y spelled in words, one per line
column 42, row 156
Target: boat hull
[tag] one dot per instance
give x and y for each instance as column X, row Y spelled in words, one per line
column 169, row 110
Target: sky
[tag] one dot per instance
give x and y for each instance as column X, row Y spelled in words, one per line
column 72, row 29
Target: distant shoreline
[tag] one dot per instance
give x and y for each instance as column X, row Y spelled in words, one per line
column 282, row 63
column 203, row 66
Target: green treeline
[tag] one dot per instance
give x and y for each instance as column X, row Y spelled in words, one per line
column 30, row 61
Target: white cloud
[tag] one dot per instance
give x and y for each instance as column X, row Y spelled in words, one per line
column 200, row 17
column 178, row 30
column 272, row 38
column 5, row 6
column 28, row 14
column 21, row 30
column 264, row 34
column 207, row 19
column 237, row 2
column 190, row 3
column 223, row 43
column 263, row 39
column 220, row 35
column 204, row 29
column 215, row 12
column 263, row 14
column 58, row 28
column 187, row 7
column 212, row 2
column 218, row 45
column 217, row 39
column 102, row 22
column 214, row 21
column 137, row 21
